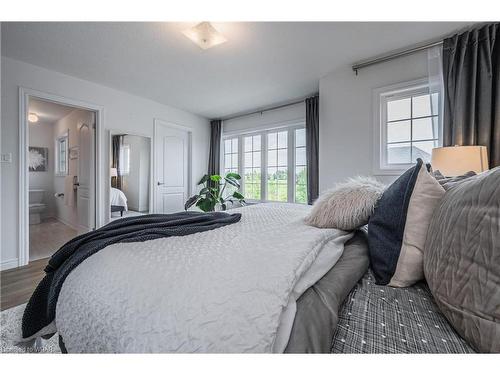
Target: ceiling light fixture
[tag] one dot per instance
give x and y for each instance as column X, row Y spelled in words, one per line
column 32, row 117
column 205, row 35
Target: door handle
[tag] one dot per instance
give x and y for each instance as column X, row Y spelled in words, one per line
column 160, row 183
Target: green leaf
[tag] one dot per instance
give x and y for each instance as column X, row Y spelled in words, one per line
column 204, row 179
column 205, row 190
column 233, row 175
column 233, row 182
column 192, row 200
column 206, row 205
column 215, row 178
column 238, row 195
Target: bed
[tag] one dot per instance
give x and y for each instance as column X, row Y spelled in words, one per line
column 293, row 289
column 223, row 290
column 118, row 201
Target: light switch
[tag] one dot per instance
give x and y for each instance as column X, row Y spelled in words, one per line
column 7, row 158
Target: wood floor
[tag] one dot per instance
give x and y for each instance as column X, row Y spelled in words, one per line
column 18, row 284
column 47, row 237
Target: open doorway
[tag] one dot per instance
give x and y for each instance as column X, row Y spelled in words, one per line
column 60, row 186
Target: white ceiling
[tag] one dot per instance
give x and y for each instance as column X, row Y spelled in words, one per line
column 261, row 64
column 48, row 111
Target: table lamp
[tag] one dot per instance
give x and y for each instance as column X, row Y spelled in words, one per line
column 458, row 160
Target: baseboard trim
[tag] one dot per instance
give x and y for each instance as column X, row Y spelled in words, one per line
column 8, row 264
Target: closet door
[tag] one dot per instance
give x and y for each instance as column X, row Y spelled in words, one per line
column 171, row 168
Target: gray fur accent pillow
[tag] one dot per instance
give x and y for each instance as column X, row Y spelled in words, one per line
column 348, row 205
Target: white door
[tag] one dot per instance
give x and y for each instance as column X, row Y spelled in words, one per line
column 171, row 168
column 85, row 192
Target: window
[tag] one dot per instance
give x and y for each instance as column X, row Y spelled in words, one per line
column 252, row 176
column 277, row 166
column 300, row 166
column 272, row 165
column 231, row 155
column 409, row 125
column 124, row 159
column 61, row 159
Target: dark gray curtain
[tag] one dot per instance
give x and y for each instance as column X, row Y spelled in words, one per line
column 116, row 142
column 312, row 148
column 215, row 144
column 472, row 90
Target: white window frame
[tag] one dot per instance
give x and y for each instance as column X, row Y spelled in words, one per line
column 290, row 127
column 57, row 154
column 380, row 99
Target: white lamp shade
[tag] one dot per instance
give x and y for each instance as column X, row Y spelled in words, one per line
column 114, row 172
column 457, row 160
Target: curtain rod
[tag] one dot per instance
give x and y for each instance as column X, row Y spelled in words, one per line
column 261, row 111
column 394, row 55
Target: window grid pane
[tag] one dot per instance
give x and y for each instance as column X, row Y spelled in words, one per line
column 230, row 156
column 252, row 155
column 282, row 168
column 62, row 156
column 277, row 163
column 411, row 128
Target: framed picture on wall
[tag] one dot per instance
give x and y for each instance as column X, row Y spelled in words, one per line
column 38, row 158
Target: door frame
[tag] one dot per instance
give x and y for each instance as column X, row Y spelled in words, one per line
column 23, row 221
column 167, row 124
column 112, row 132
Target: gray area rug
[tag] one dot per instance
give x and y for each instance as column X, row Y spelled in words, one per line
column 10, row 328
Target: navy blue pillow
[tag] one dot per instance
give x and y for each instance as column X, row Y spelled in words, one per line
column 387, row 224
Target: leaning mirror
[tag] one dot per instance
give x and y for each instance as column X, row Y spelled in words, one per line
column 130, row 175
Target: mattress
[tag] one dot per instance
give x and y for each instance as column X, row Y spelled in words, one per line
column 225, row 290
column 318, row 308
column 382, row 319
column 118, row 198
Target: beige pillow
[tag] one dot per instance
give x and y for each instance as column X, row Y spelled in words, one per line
column 426, row 196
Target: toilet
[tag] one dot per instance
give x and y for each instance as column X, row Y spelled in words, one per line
column 36, row 207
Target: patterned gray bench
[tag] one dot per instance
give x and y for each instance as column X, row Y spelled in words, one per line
column 381, row 319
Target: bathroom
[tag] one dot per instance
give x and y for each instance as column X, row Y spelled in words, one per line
column 55, row 163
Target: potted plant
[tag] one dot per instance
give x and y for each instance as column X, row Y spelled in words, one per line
column 214, row 195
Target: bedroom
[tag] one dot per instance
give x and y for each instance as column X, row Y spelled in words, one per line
column 212, row 140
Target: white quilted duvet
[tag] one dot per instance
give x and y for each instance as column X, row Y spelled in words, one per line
column 232, row 289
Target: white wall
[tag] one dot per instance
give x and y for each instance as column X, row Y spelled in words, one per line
column 346, row 124
column 41, row 134
column 2, row 264
column 268, row 119
column 122, row 111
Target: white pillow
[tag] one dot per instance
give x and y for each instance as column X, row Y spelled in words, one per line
column 348, row 205
column 426, row 196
